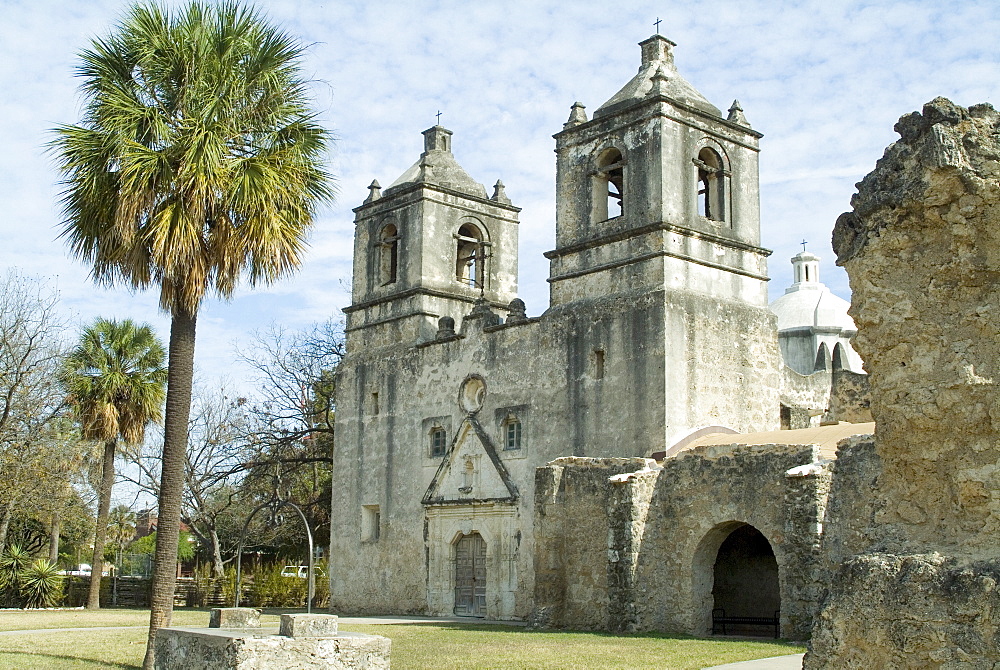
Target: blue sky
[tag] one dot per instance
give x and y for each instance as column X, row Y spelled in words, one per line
column 824, row 80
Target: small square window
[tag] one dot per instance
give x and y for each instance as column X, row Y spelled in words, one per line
column 439, row 442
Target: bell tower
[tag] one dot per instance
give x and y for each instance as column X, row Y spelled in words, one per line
column 429, row 246
column 658, row 191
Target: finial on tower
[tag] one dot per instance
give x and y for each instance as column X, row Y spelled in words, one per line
column 577, row 115
column 374, row 191
column 499, row 194
column 660, row 80
column 736, row 114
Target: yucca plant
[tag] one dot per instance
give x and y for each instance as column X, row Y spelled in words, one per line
column 40, row 584
column 12, row 562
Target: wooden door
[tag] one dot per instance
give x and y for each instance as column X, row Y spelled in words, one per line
column 470, row 576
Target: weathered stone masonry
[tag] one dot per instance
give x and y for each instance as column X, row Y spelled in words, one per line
column 922, row 249
column 636, row 551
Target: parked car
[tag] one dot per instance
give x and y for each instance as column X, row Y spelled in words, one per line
column 301, row 571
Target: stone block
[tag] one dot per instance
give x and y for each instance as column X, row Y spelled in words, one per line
column 234, row 617
column 308, row 625
column 222, row 649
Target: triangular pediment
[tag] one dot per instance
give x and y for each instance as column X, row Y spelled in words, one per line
column 471, row 471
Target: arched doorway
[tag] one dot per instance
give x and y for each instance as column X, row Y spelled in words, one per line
column 746, row 579
column 470, row 576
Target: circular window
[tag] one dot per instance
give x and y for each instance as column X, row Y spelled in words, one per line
column 472, row 393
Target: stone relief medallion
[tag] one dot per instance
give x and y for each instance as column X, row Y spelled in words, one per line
column 471, row 394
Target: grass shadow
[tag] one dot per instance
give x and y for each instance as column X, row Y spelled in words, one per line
column 73, row 659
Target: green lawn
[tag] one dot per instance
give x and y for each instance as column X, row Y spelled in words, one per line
column 414, row 646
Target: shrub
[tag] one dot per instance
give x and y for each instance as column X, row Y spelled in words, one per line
column 41, row 584
column 27, row 583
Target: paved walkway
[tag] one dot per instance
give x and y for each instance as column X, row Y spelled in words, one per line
column 790, row 662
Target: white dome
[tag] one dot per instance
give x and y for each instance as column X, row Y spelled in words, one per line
column 808, row 302
column 813, row 306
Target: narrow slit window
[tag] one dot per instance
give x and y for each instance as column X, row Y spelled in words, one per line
column 599, row 364
column 375, row 407
column 389, row 254
column 512, row 434
column 371, row 523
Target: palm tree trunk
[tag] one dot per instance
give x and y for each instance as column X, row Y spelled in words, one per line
column 54, row 536
column 175, row 436
column 101, row 531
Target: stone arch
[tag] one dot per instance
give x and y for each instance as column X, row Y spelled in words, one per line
column 687, row 438
column 840, row 357
column 608, row 198
column 823, row 359
column 753, row 587
column 713, row 192
column 471, row 242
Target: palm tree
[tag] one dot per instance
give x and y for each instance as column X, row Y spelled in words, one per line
column 115, row 378
column 198, row 160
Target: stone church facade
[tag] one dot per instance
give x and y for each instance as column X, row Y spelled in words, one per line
column 451, row 401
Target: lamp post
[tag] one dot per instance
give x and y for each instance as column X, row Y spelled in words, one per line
column 275, row 504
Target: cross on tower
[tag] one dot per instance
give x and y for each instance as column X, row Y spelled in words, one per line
column 657, row 24
column 803, row 243
column 439, row 117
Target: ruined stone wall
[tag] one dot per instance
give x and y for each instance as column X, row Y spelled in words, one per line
column 699, row 499
column 922, row 250
column 850, row 398
column 651, row 566
column 849, row 518
column 807, row 396
column 573, row 543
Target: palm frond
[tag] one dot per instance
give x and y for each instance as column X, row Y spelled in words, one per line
column 198, row 160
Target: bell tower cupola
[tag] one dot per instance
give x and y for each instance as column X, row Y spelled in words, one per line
column 427, row 247
column 657, row 191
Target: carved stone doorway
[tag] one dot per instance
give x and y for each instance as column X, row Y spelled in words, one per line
column 470, row 576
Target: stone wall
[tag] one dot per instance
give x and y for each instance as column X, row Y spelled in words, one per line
column 637, row 551
column 572, row 544
column 588, row 379
column 850, row 398
column 922, row 250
